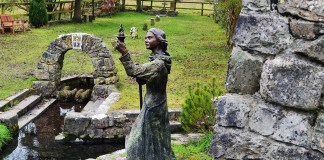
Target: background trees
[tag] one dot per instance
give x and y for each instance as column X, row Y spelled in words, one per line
column 37, row 13
column 226, row 13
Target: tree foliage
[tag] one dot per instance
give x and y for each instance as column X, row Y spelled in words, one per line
column 197, row 112
column 37, row 13
column 226, row 14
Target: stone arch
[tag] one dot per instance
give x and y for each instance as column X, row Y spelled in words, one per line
column 51, row 63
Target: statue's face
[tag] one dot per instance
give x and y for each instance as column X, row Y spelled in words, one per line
column 150, row 41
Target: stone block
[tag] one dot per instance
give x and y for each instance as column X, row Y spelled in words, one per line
column 10, row 118
column 105, row 54
column 306, row 30
column 65, row 42
column 292, row 81
column 99, row 81
column 76, row 123
column 266, row 33
column 294, row 128
column 256, row 5
column 98, row 62
column 43, row 88
column 263, row 117
column 94, row 133
column 233, row 110
column 231, row 143
column 305, row 9
column 318, row 136
column 111, row 80
column 244, row 72
column 102, row 91
column 101, row 121
column 109, row 63
column 42, row 72
column 114, row 132
column 56, row 48
column 313, row 49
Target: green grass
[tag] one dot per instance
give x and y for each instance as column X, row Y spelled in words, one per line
column 196, row 44
column 5, row 135
column 196, row 150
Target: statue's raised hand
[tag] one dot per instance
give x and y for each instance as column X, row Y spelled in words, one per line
column 121, row 47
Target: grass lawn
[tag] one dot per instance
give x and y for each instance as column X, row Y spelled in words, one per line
column 196, row 44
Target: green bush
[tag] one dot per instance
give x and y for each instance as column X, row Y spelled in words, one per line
column 197, row 112
column 37, row 13
column 5, row 135
column 226, row 14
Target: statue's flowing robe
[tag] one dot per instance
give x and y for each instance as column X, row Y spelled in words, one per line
column 150, row 137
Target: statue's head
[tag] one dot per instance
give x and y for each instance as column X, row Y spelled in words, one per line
column 160, row 37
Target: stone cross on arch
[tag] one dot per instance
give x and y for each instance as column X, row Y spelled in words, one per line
column 49, row 68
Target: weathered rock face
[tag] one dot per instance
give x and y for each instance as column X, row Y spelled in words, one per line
column 274, row 105
column 263, row 32
column 244, row 72
column 292, row 81
column 51, row 63
column 310, row 10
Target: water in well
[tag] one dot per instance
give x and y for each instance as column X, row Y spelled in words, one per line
column 36, row 140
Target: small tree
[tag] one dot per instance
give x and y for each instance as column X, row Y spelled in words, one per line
column 226, row 14
column 197, row 112
column 37, row 13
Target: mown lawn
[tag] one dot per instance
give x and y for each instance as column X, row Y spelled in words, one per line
column 196, row 44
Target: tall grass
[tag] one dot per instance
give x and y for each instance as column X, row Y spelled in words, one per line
column 196, row 44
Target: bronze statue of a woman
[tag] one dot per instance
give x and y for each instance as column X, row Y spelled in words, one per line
column 150, row 135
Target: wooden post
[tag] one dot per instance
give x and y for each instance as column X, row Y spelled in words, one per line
column 142, row 3
column 151, row 4
column 59, row 18
column 123, row 5
column 71, row 14
column 202, row 9
column 93, row 15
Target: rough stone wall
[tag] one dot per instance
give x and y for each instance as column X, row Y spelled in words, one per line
column 51, row 63
column 273, row 108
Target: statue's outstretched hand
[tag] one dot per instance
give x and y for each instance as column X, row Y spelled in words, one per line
column 121, row 47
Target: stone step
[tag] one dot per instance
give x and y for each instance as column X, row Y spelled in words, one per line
column 175, row 127
column 18, row 96
column 26, row 104
column 35, row 112
column 87, row 107
column 96, row 105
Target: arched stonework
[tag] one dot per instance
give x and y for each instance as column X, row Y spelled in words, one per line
column 51, row 63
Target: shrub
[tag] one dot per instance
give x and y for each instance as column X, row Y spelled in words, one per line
column 5, row 135
column 37, row 13
column 197, row 112
column 226, row 14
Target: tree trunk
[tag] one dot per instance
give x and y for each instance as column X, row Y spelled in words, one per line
column 77, row 11
column 138, row 6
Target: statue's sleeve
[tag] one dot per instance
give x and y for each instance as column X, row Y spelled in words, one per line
column 146, row 71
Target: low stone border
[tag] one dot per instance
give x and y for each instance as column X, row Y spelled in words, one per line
column 93, row 123
column 17, row 97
